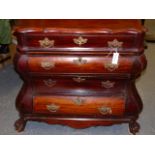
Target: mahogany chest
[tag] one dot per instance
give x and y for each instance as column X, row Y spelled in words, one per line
column 79, row 73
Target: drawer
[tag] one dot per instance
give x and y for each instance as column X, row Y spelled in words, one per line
column 61, row 40
column 79, row 105
column 79, row 64
column 78, row 85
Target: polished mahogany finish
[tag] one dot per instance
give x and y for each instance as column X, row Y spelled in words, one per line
column 68, row 74
column 79, row 106
column 75, row 64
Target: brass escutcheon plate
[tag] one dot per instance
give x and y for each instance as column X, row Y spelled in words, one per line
column 80, row 40
column 46, row 43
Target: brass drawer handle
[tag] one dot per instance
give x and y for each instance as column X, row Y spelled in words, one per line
column 115, row 44
column 46, row 43
column 80, row 40
column 49, row 82
column 107, row 84
column 78, row 101
column 110, row 67
column 47, row 65
column 80, row 61
column 79, row 79
column 52, row 107
column 105, row 110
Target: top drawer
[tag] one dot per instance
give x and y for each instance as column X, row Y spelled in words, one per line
column 53, row 41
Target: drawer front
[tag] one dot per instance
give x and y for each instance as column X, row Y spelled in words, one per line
column 78, row 85
column 81, row 64
column 49, row 41
column 79, row 106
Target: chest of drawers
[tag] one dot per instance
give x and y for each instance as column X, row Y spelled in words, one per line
column 68, row 73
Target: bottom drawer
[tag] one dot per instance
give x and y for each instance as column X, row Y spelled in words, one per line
column 79, row 106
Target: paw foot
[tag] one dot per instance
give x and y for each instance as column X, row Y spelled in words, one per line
column 20, row 125
column 134, row 127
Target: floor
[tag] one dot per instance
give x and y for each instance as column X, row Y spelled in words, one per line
column 150, row 25
column 10, row 84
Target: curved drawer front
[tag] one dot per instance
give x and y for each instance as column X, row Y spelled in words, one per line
column 49, row 41
column 79, row 106
column 81, row 64
column 77, row 85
